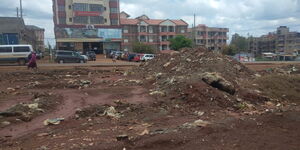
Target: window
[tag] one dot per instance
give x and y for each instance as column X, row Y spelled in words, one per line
column 114, row 22
column 171, row 29
column 80, row 7
column 62, row 20
column 164, row 29
column 5, row 49
column 113, row 10
column 70, row 7
column 21, row 49
column 143, row 29
column 96, row 7
column 61, row 7
column 97, row 20
column 81, row 19
column 70, row 19
column 150, row 29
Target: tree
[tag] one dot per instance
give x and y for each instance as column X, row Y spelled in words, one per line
column 240, row 42
column 179, row 42
column 230, row 50
column 142, row 48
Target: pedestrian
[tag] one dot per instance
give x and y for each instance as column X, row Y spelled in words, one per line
column 114, row 58
column 32, row 63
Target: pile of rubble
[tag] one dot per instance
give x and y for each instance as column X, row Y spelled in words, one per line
column 196, row 75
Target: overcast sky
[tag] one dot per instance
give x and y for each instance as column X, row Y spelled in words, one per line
column 253, row 17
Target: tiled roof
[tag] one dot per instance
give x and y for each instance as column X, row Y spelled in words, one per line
column 179, row 22
column 129, row 21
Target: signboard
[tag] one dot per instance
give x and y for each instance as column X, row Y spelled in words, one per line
column 87, row 13
column 105, row 34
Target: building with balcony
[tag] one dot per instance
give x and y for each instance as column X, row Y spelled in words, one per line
column 87, row 24
column 281, row 41
column 154, row 32
column 209, row 37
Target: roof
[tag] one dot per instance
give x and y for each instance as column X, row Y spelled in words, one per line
column 11, row 24
column 151, row 21
column 33, row 27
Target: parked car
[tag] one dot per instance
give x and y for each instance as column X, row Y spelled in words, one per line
column 39, row 55
column 147, row 57
column 15, row 53
column 138, row 57
column 86, row 58
column 91, row 55
column 69, row 57
column 130, row 57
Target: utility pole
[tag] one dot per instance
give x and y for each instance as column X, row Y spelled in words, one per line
column 21, row 8
column 17, row 12
column 194, row 31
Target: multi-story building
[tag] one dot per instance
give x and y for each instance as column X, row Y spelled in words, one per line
column 87, row 24
column 35, row 37
column 209, row 37
column 287, row 42
column 153, row 32
column 14, row 31
column 281, row 42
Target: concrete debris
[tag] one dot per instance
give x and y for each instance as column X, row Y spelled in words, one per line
column 197, row 123
column 111, row 112
column 158, row 93
column 55, row 121
column 167, row 64
column 122, row 137
column 217, row 81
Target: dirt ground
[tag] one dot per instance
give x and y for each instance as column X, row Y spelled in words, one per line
column 106, row 109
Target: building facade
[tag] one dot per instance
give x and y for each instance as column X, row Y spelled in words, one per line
column 153, row 32
column 209, row 37
column 35, row 36
column 281, row 42
column 14, row 31
column 87, row 24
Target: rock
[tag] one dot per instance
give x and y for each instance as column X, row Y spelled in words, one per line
column 33, row 106
column 145, row 132
column 111, row 112
column 197, row 123
column 188, row 60
column 5, row 123
column 123, row 138
column 158, row 93
column 217, row 81
column 43, row 134
column 199, row 113
column 11, row 89
column 167, row 64
column 55, row 121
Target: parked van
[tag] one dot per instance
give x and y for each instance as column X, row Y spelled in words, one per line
column 63, row 56
column 15, row 53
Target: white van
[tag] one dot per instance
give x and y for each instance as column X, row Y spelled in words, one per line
column 15, row 53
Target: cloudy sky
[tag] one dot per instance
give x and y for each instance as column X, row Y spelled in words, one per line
column 253, row 17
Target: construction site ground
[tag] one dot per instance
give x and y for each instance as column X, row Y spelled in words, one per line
column 103, row 108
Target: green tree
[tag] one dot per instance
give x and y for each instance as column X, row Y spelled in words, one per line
column 142, row 48
column 179, row 42
column 230, row 50
column 240, row 42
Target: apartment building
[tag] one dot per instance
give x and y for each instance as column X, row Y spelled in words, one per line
column 153, row 32
column 287, row 42
column 281, row 42
column 210, row 37
column 87, row 24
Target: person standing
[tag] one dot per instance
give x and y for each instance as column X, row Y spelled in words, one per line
column 32, row 63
